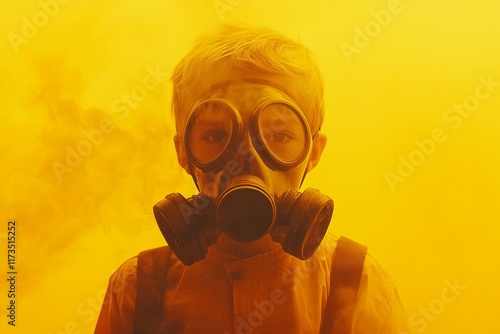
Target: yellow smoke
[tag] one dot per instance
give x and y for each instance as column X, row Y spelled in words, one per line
column 86, row 143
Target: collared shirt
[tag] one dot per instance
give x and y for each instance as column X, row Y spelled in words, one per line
column 271, row 292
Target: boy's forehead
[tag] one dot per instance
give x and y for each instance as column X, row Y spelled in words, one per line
column 247, row 95
column 246, row 92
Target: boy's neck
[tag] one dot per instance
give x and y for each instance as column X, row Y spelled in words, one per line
column 245, row 249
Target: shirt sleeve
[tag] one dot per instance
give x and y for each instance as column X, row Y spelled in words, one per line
column 117, row 311
column 379, row 309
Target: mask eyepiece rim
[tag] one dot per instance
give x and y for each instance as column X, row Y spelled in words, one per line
column 218, row 162
column 272, row 159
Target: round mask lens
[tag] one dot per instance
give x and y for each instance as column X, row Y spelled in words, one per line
column 283, row 133
column 209, row 131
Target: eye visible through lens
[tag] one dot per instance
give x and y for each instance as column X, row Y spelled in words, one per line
column 210, row 131
column 282, row 131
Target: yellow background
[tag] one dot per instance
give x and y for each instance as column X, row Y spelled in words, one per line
column 440, row 224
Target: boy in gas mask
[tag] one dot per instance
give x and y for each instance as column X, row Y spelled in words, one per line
column 248, row 254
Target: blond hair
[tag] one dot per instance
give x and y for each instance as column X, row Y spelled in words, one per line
column 242, row 49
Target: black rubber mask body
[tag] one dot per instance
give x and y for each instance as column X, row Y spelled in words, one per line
column 245, row 212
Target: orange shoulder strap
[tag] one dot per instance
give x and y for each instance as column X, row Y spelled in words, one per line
column 151, row 278
column 345, row 277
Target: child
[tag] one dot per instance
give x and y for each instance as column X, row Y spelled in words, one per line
column 248, row 254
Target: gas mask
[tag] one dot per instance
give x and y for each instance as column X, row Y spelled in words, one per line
column 244, row 209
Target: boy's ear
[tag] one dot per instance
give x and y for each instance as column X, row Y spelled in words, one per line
column 318, row 146
column 181, row 154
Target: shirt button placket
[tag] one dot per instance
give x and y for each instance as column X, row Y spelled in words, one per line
column 236, row 275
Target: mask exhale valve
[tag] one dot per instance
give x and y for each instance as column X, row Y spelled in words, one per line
column 245, row 212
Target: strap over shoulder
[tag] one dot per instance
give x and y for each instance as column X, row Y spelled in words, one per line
column 345, row 277
column 151, row 275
